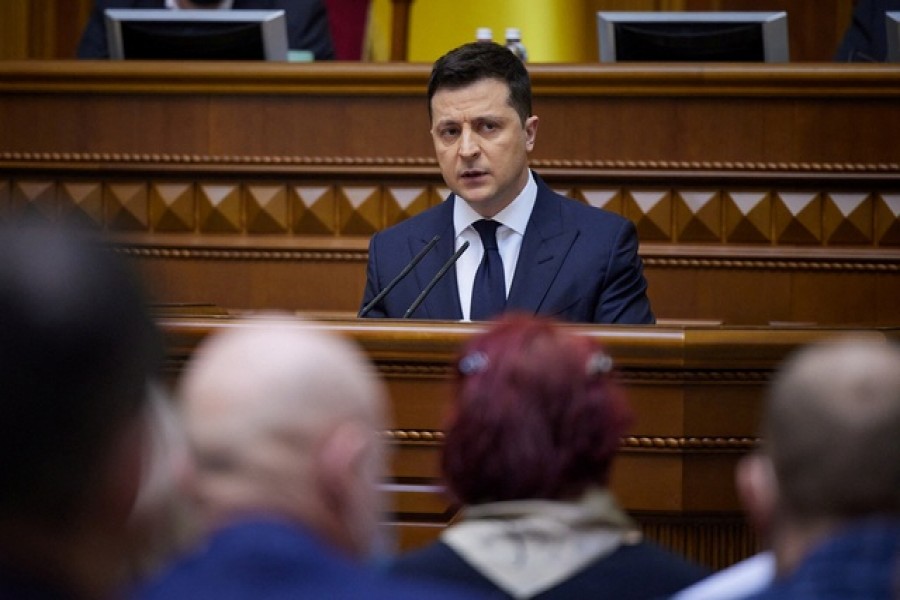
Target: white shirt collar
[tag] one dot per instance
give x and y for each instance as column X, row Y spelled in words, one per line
column 515, row 216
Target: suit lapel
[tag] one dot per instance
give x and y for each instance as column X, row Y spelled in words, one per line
column 544, row 248
column 443, row 300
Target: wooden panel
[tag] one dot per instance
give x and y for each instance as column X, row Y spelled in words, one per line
column 760, row 194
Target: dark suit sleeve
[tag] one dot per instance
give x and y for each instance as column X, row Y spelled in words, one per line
column 866, row 38
column 373, row 285
column 623, row 298
column 93, row 39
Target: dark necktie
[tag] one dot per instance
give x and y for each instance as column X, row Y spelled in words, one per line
column 489, row 289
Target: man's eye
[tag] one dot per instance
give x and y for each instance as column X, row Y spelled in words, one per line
column 449, row 132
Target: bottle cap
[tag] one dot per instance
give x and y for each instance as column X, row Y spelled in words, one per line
column 484, row 34
column 513, row 33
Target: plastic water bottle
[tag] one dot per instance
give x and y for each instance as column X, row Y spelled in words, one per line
column 484, row 34
column 514, row 43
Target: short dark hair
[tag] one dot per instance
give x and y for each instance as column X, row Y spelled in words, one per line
column 77, row 350
column 475, row 61
column 536, row 414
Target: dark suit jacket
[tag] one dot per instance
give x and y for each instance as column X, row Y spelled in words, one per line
column 866, row 38
column 577, row 263
column 307, row 24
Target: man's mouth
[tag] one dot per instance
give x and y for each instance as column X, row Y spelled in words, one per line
column 472, row 173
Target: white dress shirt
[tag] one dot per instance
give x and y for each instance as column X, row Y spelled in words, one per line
column 513, row 219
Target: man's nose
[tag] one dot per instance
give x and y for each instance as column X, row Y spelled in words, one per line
column 468, row 144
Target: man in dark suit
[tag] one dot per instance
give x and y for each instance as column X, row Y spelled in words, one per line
column 553, row 255
column 307, row 22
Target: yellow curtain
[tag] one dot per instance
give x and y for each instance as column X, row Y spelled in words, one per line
column 552, row 30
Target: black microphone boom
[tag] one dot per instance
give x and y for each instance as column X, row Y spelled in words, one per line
column 368, row 307
column 437, row 277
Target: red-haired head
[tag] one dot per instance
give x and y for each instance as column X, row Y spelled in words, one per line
column 536, row 414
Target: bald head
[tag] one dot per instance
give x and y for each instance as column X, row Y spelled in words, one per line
column 833, row 430
column 284, row 420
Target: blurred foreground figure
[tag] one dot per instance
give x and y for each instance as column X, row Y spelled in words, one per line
column 285, row 421
column 533, row 431
column 825, row 488
column 77, row 353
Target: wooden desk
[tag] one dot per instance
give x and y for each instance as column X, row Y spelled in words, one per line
column 696, row 391
column 760, row 193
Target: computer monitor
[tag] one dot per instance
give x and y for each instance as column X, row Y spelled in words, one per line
column 206, row 34
column 693, row 36
column 892, row 22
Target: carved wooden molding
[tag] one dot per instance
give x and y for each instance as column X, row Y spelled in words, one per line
column 118, row 160
column 628, row 443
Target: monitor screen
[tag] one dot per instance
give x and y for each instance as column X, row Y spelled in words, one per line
column 892, row 21
column 693, row 36
column 206, row 34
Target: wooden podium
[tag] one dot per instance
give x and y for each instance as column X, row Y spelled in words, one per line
column 696, row 390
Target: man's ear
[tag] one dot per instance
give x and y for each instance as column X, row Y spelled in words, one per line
column 757, row 487
column 345, row 480
column 531, row 126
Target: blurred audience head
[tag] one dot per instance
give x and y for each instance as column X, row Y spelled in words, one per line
column 285, row 421
column 77, row 353
column 831, row 441
column 536, row 414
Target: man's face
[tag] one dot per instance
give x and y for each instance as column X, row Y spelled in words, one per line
column 481, row 144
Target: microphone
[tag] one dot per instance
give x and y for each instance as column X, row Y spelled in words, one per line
column 437, row 277
column 418, row 257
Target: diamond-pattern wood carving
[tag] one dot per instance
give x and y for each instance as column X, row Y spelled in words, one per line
column 698, row 216
column 403, row 202
column 651, row 212
column 847, row 219
column 126, row 206
column 37, row 198
column 172, row 206
column 359, row 210
column 314, row 209
column 748, row 217
column 887, row 220
column 731, row 216
column 219, row 209
column 81, row 203
column 797, row 218
column 610, row 199
column 267, row 209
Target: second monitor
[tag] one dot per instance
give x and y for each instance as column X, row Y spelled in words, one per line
column 693, row 36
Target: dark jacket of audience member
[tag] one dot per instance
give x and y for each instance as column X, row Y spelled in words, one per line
column 307, row 24
column 532, row 434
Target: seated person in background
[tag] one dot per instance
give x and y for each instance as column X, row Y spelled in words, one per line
column 546, row 254
column 533, row 430
column 307, row 22
column 866, row 38
column 285, row 423
column 825, row 487
column 77, row 351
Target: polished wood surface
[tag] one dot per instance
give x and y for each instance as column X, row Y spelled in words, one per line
column 696, row 390
column 760, row 193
